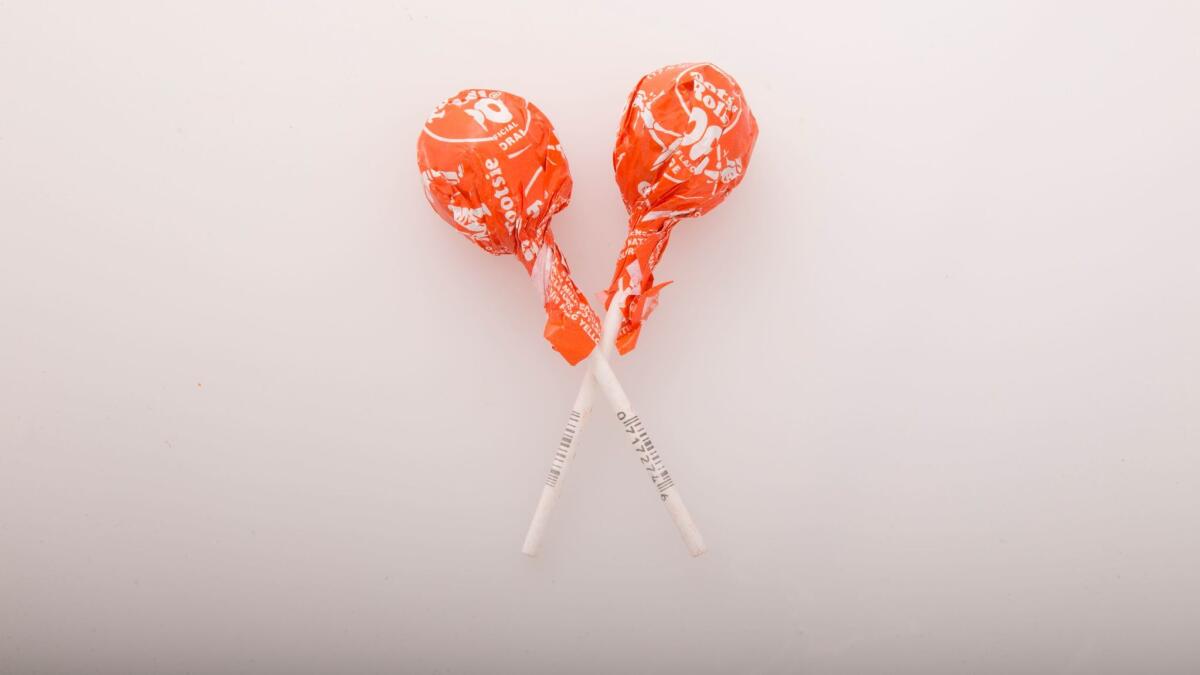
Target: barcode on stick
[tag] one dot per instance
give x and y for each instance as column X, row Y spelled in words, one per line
column 564, row 448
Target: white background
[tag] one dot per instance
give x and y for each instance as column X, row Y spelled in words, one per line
column 928, row 379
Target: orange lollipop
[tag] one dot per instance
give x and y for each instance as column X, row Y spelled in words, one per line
column 493, row 169
column 684, row 143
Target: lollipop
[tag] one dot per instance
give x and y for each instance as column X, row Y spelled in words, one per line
column 493, row 169
column 684, row 143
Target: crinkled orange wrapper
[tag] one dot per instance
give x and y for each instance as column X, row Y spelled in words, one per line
column 494, row 170
column 684, row 142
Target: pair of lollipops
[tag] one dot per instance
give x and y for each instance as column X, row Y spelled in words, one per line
column 494, row 170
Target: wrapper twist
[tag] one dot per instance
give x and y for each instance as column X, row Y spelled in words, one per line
column 493, row 169
column 683, row 144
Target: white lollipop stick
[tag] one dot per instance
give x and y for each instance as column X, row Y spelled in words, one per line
column 600, row 373
column 566, row 446
column 646, row 452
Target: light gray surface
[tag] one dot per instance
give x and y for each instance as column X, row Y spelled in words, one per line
column 928, row 379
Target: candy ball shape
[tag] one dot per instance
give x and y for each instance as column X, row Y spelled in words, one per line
column 493, row 169
column 683, row 144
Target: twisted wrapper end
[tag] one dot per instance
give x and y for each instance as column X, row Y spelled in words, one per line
column 643, row 248
column 572, row 327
